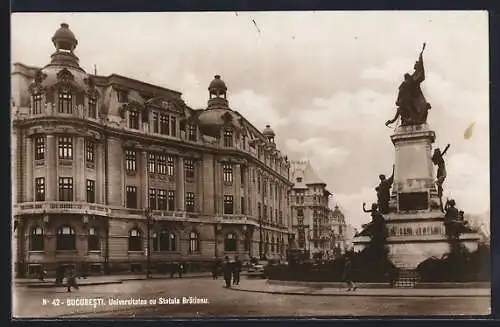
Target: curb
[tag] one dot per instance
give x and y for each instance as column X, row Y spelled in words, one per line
column 79, row 285
column 118, row 281
column 361, row 295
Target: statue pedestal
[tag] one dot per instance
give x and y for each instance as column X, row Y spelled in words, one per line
column 415, row 222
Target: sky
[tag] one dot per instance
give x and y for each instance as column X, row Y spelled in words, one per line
column 326, row 82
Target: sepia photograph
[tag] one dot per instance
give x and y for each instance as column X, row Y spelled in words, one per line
column 250, row 164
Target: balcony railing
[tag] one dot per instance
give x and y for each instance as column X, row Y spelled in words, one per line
column 60, row 207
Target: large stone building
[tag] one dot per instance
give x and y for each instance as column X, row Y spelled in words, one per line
column 102, row 162
column 309, row 201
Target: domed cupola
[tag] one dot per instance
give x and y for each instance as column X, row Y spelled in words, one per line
column 217, row 94
column 218, row 115
column 269, row 133
column 65, row 43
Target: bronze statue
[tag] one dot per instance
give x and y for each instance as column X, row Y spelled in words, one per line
column 376, row 228
column 438, row 160
column 383, row 192
column 412, row 107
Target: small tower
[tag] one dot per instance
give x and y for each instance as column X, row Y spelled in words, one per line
column 269, row 133
column 217, row 92
column 65, row 43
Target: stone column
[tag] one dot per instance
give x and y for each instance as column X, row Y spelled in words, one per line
column 51, row 169
column 29, row 169
column 79, row 164
column 99, row 169
column 198, row 168
column 143, row 166
column 237, row 188
column 181, row 194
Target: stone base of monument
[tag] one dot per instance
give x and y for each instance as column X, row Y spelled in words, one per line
column 408, row 251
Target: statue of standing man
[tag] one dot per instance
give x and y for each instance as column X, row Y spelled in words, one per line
column 384, row 192
column 438, row 160
column 412, row 107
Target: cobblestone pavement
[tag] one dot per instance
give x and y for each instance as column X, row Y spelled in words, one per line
column 224, row 302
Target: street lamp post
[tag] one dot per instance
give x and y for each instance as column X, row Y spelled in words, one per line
column 148, row 248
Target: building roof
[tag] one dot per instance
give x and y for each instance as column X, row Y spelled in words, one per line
column 303, row 174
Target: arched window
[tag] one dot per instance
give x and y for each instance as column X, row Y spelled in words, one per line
column 156, row 241
column 94, row 243
column 230, row 242
column 36, row 239
column 135, row 240
column 66, row 238
column 167, row 241
column 65, row 103
column 194, row 242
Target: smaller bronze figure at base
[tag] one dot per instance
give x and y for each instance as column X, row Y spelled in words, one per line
column 383, row 192
column 438, row 160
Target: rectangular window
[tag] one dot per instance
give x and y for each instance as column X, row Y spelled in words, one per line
column 162, row 200
column 130, row 160
column 131, row 197
column 40, row 189
column 227, row 170
column 37, row 104
column 258, row 183
column 90, row 191
column 242, row 204
column 173, row 128
column 228, row 205
column 191, row 132
column 161, row 161
column 164, row 124
column 39, row 148
column 152, row 199
column 170, row 166
column 171, row 200
column 259, row 208
column 122, row 96
column 89, row 151
column 228, row 138
column 92, row 108
column 151, row 163
column 264, row 213
column 242, row 176
column 65, row 103
column 133, row 119
column 155, row 122
column 189, row 169
column 65, row 189
column 243, row 142
column 65, row 144
column 189, row 201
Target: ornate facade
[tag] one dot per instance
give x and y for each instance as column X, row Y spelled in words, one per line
column 339, row 241
column 309, row 200
column 102, row 162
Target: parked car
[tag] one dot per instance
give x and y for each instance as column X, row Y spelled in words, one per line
column 257, row 270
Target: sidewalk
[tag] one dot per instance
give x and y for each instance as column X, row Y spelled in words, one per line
column 262, row 286
column 102, row 280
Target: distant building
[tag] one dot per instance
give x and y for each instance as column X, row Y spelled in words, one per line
column 339, row 232
column 311, row 215
column 94, row 156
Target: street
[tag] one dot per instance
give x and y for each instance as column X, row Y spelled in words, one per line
column 214, row 300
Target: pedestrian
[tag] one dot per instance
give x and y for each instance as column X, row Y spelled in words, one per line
column 236, row 271
column 349, row 276
column 173, row 268
column 71, row 281
column 59, row 275
column 43, row 274
column 180, row 269
column 215, row 270
column 227, row 270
